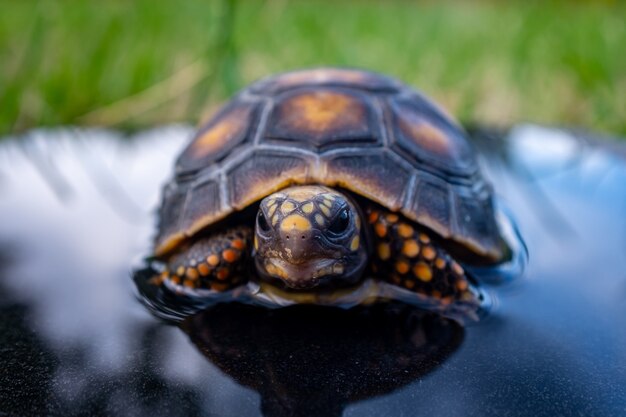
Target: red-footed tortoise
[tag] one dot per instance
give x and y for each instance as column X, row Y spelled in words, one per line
column 313, row 180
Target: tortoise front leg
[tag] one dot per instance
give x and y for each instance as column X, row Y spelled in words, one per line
column 218, row 262
column 410, row 258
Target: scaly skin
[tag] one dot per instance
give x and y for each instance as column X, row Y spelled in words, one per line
column 218, row 262
column 408, row 257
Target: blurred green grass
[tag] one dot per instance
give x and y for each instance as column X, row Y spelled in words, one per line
column 142, row 63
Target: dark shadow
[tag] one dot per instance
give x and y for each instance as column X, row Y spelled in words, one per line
column 314, row 361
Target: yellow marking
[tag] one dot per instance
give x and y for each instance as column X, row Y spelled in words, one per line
column 191, row 273
column 429, row 253
column 295, row 222
column 308, row 208
column 204, row 269
column 338, row 269
column 271, row 201
column 354, row 245
column 405, row 230
column 402, row 267
column 180, row 270
column 271, row 211
column 276, row 270
column 319, row 219
column 325, row 210
column 410, row 248
column 256, row 243
column 275, row 219
column 423, row 272
column 384, row 251
column 327, row 203
column 287, row 207
column 440, row 263
column 213, row 260
column 424, row 238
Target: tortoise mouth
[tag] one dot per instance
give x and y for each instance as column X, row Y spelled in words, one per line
column 304, row 275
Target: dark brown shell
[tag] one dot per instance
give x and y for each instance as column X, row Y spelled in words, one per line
column 358, row 130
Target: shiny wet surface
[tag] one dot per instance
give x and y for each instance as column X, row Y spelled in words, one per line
column 77, row 210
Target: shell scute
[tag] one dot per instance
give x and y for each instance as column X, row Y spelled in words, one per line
column 322, row 117
column 229, row 128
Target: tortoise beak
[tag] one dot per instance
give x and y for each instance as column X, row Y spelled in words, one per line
column 305, row 275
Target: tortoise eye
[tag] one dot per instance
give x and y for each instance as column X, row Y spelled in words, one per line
column 341, row 222
column 262, row 222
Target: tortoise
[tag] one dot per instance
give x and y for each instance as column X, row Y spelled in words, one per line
column 314, row 180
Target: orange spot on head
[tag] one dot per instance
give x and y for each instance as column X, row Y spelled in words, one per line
column 373, row 217
column 409, row 283
column 424, row 238
column 189, row 283
column 295, row 222
column 180, row 270
column 175, row 279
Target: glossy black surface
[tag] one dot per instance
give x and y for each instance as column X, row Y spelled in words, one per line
column 76, row 210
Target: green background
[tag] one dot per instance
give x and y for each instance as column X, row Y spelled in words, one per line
column 136, row 64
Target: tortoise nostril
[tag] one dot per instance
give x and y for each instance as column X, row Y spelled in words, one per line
column 303, row 237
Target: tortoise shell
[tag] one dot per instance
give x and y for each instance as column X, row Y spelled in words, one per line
column 358, row 130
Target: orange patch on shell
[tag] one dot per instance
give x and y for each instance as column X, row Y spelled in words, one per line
column 227, row 128
column 318, row 111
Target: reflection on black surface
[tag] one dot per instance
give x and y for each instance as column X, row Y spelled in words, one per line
column 313, row 361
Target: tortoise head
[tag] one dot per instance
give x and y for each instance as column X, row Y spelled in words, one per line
column 309, row 236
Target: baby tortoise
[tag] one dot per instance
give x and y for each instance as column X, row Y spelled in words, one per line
column 312, row 180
